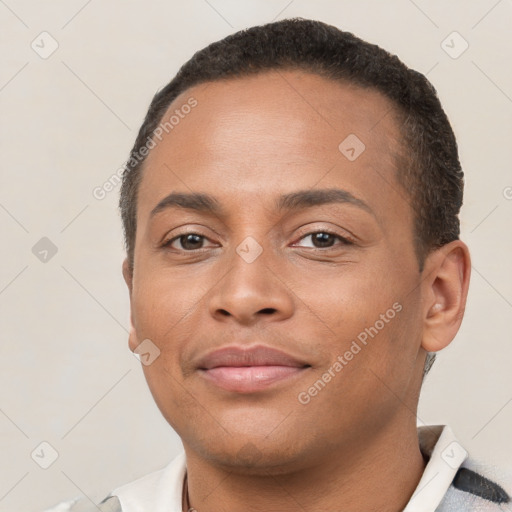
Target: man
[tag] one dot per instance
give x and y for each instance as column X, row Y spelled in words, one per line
column 290, row 209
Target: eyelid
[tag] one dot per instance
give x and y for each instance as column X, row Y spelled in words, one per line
column 345, row 238
column 167, row 241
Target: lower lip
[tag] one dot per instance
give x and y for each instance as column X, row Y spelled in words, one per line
column 249, row 379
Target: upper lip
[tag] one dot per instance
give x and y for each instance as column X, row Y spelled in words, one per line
column 258, row 355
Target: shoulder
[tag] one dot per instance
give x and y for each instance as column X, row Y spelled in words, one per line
column 478, row 488
column 109, row 504
column 159, row 490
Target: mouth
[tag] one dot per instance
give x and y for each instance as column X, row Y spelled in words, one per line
column 249, row 370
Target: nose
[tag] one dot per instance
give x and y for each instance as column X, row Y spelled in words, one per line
column 250, row 292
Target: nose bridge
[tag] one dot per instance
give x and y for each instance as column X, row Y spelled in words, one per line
column 250, row 287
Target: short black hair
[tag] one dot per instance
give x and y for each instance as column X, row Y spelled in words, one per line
column 428, row 164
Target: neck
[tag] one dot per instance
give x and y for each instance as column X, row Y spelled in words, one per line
column 379, row 474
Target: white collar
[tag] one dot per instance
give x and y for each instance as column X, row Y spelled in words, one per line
column 445, row 453
column 161, row 491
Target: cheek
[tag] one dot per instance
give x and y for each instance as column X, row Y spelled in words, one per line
column 369, row 317
column 180, row 408
column 347, row 299
column 162, row 309
column 162, row 301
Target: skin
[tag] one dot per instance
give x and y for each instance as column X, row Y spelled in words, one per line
column 354, row 446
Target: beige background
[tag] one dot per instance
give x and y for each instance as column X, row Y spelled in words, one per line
column 68, row 122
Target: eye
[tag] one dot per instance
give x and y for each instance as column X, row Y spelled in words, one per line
column 188, row 241
column 324, row 239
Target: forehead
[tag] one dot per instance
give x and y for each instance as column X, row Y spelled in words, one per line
column 265, row 135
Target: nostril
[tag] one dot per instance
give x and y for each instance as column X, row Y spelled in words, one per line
column 268, row 310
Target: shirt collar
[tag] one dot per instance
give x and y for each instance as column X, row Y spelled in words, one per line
column 161, row 491
column 445, row 455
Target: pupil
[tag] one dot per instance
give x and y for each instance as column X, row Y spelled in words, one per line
column 323, row 239
column 190, row 239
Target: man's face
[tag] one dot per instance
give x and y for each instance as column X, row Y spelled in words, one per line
column 259, row 275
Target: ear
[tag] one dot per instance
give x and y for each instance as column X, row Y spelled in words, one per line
column 445, row 289
column 128, row 275
column 128, row 278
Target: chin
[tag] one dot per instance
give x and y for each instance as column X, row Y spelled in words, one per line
column 251, row 455
column 252, row 459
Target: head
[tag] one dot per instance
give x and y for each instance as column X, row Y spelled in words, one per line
column 297, row 187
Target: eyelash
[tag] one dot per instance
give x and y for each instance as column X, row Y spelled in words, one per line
column 344, row 240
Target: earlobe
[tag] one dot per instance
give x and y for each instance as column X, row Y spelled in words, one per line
column 132, row 336
column 444, row 294
column 128, row 277
column 127, row 274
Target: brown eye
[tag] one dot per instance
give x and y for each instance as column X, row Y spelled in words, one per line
column 187, row 241
column 324, row 240
column 191, row 241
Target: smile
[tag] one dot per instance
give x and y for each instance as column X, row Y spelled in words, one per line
column 249, row 379
column 248, row 370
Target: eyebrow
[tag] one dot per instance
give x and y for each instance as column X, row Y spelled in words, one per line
column 207, row 203
column 308, row 198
